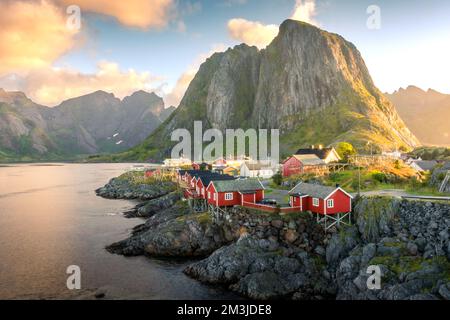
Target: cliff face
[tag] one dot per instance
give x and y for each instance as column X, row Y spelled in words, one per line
column 94, row 123
column 311, row 84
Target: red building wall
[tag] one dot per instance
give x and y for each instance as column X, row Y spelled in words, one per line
column 342, row 203
column 292, row 166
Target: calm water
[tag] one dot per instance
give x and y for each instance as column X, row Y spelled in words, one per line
column 50, row 218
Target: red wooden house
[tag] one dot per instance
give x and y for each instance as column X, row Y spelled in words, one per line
column 234, row 192
column 298, row 164
column 320, row 199
column 204, row 181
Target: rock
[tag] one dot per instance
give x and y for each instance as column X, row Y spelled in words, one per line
column 412, row 248
column 291, row 236
column 341, row 244
column 277, row 224
column 444, row 291
column 320, row 251
column 369, row 251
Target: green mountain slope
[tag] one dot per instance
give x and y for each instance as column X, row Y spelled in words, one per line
column 312, row 85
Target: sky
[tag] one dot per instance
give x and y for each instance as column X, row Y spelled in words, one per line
column 52, row 53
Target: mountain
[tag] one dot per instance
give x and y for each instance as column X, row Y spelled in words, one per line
column 426, row 113
column 312, row 85
column 95, row 123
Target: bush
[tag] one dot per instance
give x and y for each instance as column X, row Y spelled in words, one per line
column 277, row 179
column 379, row 176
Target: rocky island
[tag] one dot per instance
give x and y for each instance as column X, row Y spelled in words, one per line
column 268, row 256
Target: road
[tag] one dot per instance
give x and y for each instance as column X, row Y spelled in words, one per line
column 401, row 194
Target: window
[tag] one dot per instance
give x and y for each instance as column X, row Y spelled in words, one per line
column 315, row 202
column 215, row 196
column 228, row 196
column 330, row 203
column 209, row 195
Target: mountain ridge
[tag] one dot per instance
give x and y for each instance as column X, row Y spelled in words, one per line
column 311, row 84
column 426, row 112
column 96, row 122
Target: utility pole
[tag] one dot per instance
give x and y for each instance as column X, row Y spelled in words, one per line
column 359, row 180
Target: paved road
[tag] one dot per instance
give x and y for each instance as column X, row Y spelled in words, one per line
column 401, row 194
column 276, row 194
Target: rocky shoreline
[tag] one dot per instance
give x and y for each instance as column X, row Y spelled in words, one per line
column 266, row 256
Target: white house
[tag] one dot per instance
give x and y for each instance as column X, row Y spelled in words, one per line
column 257, row 170
column 177, row 163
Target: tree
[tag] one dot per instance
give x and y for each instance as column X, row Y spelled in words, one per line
column 345, row 150
column 278, row 179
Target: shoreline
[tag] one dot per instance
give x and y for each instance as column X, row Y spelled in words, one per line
column 269, row 257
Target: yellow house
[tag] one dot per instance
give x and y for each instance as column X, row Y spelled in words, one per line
column 231, row 171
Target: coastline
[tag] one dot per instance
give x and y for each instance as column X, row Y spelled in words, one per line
column 269, row 257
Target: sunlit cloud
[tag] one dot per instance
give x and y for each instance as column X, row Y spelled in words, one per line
column 256, row 33
column 143, row 14
column 305, row 10
column 50, row 86
column 33, row 34
column 252, row 33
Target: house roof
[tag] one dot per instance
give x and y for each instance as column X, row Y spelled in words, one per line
column 258, row 166
column 426, row 164
column 238, row 185
column 309, row 159
column 446, row 166
column 321, row 153
column 206, row 180
column 312, row 190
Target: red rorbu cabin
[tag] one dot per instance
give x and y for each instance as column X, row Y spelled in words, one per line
column 320, row 199
column 298, row 164
column 234, row 192
column 204, row 181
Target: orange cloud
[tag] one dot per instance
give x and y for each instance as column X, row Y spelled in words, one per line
column 50, row 86
column 32, row 35
column 133, row 13
column 252, row 33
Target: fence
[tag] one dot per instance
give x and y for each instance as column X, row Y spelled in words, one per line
column 271, row 209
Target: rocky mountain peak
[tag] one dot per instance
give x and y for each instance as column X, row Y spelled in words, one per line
column 311, row 84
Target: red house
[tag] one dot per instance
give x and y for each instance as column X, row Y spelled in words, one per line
column 204, row 181
column 298, row 164
column 234, row 192
column 195, row 166
column 320, row 199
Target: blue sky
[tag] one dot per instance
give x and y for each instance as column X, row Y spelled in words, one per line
column 410, row 48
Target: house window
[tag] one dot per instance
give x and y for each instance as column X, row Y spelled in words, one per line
column 315, row 202
column 215, row 196
column 330, row 203
column 209, row 195
column 228, row 196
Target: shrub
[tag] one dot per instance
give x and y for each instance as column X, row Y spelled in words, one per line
column 379, row 176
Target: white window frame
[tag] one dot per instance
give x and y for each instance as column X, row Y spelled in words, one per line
column 229, row 196
column 209, row 194
column 316, row 202
column 215, row 196
column 330, row 203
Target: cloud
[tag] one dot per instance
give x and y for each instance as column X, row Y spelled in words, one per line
column 252, row 32
column 258, row 34
column 50, row 86
column 305, row 10
column 32, row 35
column 175, row 95
column 142, row 14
